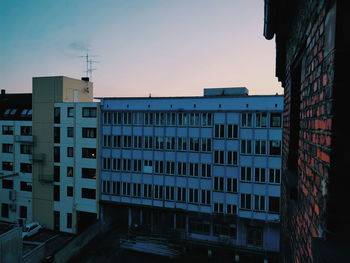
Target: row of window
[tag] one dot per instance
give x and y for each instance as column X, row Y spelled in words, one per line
column 85, row 133
column 24, row 130
column 6, row 207
column 89, row 153
column 12, row 112
column 87, row 112
column 88, row 173
column 9, row 184
column 192, row 119
column 24, row 148
column 190, row 195
column 86, row 193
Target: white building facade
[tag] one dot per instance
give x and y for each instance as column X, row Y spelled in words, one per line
column 206, row 167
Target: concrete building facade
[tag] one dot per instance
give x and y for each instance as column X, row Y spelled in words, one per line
column 205, row 168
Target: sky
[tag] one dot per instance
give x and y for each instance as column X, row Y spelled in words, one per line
column 157, row 47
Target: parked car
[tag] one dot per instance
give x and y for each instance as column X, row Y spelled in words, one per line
column 31, row 229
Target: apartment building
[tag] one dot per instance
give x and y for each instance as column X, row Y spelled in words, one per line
column 206, row 167
column 64, row 153
column 16, row 157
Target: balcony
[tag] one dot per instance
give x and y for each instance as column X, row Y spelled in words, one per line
column 26, row 139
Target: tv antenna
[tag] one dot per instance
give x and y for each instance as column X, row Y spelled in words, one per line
column 89, row 63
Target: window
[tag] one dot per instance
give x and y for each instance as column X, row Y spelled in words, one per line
column 218, row 207
column 70, row 131
column 106, row 187
column 26, row 130
column 275, row 148
column 127, row 118
column 206, row 144
column 89, row 173
column 116, row 141
column 198, row 226
column 137, row 118
column 107, row 118
column 182, row 168
column 137, row 190
column 56, row 173
column 231, row 209
column 4, row 210
column 56, row 193
column 106, row 140
column 69, row 220
column 56, row 134
column 231, row 185
column 148, row 166
column 22, row 211
column 89, row 112
column 7, row 130
column 194, row 169
column 116, row 188
column 148, row 142
column 26, row 149
column 70, row 112
column 88, row 193
column 158, row 192
column 147, row 191
column 261, row 120
column 247, row 120
column 274, row 176
column 159, row 167
column 260, row 147
column 255, row 236
column 232, row 158
column 275, row 120
column 219, row 157
column 170, row 119
column 170, row 143
column 170, row 193
column 246, row 200
column 219, row 131
column 106, row 163
column 149, row 118
column 7, row 166
column 194, row 144
column 137, row 167
column 206, row 170
column 26, row 168
column 127, row 141
column 182, row 144
column 246, row 147
column 7, row 184
column 159, row 119
column 206, row 197
column 193, row 195
column 194, row 119
column 259, row 202
column 170, row 167
column 181, row 194
column 260, row 175
column 116, row 164
column 26, row 186
column 70, row 152
column 232, row 131
column 218, row 183
column 137, row 142
column 57, row 115
column 127, row 165
column 117, row 118
column 274, row 204
column 159, row 143
column 70, row 171
column 182, row 119
column 69, row 190
column 89, row 132
column 7, row 148
column 246, row 174
column 88, row 153
column 207, row 119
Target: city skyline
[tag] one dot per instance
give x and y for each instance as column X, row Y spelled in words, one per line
column 165, row 48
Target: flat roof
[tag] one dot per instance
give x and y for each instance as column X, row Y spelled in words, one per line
column 189, row 97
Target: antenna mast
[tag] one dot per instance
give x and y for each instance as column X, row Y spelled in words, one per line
column 89, row 62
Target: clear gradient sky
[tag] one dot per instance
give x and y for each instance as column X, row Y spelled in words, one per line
column 162, row 47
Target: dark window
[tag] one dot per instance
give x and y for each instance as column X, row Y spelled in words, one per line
column 7, row 148
column 70, row 132
column 57, row 115
column 22, row 211
column 275, row 148
column 56, row 220
column 7, row 130
column 26, row 168
column 70, row 112
column 26, row 186
column 88, row 153
column 88, row 173
column 26, row 130
column 255, row 236
column 89, row 132
column 69, row 190
column 88, row 193
column 56, row 193
column 56, row 154
column 89, row 112
column 7, row 166
column 56, row 173
column 7, row 184
column 4, row 210
column 70, row 171
column 26, row 149
column 70, row 152
column 69, row 220
column 56, row 134
column 275, row 120
column 274, row 204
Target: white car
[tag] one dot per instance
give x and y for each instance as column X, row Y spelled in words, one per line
column 31, row 229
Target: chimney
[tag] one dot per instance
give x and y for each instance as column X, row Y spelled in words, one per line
column 85, row 79
column 3, row 92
